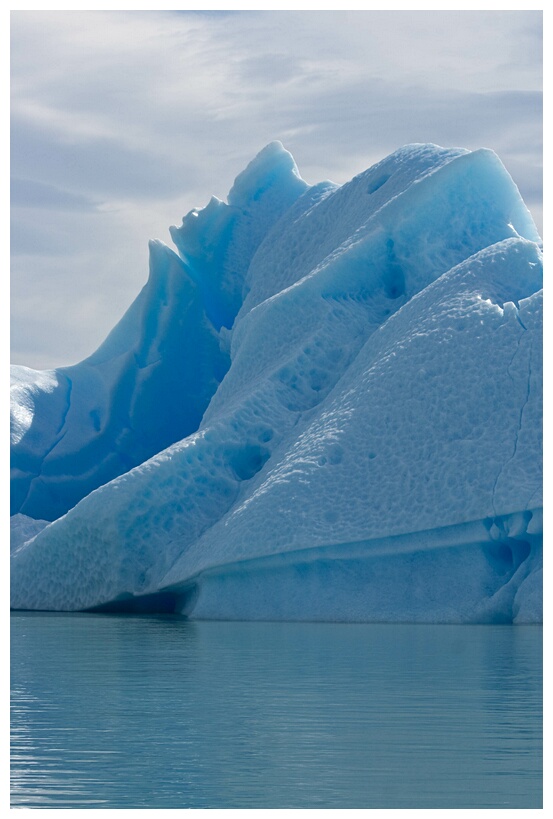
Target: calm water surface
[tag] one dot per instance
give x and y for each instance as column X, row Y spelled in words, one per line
column 159, row 712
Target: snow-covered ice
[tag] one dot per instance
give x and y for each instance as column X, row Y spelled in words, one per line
column 326, row 407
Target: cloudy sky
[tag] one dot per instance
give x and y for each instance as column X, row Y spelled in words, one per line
column 124, row 121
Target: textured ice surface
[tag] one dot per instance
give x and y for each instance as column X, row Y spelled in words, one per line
column 374, row 450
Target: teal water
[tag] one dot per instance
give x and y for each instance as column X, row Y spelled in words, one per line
column 159, row 712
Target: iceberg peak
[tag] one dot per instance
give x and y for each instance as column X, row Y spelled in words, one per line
column 273, row 168
column 219, row 241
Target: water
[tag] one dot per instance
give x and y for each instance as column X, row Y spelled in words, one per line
column 159, row 712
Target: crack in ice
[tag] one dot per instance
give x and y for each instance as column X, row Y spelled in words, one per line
column 522, row 408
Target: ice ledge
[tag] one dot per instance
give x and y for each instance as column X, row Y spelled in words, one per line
column 486, row 571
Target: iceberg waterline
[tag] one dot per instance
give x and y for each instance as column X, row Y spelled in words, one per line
column 327, row 406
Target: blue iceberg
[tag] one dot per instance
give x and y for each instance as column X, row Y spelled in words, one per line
column 325, row 406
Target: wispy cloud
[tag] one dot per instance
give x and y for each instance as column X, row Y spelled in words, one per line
column 27, row 193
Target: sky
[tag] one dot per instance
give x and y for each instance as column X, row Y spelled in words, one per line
column 122, row 122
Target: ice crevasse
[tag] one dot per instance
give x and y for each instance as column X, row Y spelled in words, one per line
column 326, row 405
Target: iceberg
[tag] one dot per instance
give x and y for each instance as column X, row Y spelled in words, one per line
column 325, row 406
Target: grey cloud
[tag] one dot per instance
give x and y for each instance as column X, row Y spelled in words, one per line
column 29, row 193
column 31, row 239
column 271, row 67
column 103, row 168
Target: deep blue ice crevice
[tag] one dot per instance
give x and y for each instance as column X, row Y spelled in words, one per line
column 58, row 436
